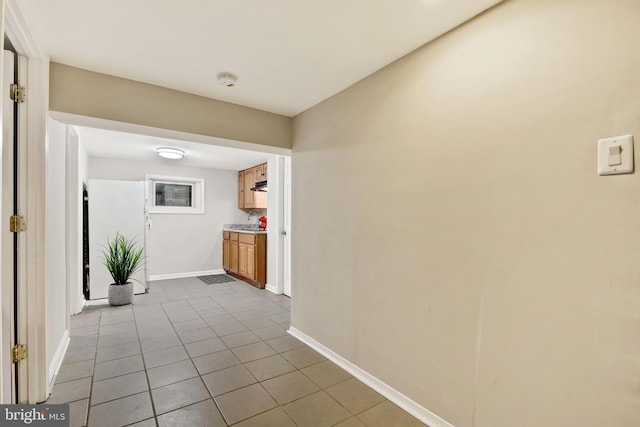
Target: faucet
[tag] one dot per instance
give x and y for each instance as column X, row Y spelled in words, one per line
column 251, row 212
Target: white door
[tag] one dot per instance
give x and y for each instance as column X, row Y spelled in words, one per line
column 287, row 226
column 6, row 248
column 14, row 377
column 114, row 207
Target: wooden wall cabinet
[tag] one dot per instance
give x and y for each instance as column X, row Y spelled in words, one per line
column 247, row 179
column 247, row 256
column 261, row 172
column 249, row 183
column 241, row 189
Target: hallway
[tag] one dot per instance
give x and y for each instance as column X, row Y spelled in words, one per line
column 190, row 354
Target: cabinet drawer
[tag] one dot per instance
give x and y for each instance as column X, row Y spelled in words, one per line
column 225, row 235
column 233, row 236
column 248, row 238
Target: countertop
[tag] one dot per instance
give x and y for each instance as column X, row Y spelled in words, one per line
column 243, row 228
column 245, row 231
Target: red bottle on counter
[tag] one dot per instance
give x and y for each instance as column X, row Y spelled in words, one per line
column 263, row 223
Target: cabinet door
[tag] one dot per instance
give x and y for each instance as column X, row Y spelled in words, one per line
column 251, row 262
column 247, row 260
column 260, row 197
column 225, row 254
column 249, row 183
column 243, row 260
column 261, row 172
column 241, row 189
column 233, row 256
column 258, row 170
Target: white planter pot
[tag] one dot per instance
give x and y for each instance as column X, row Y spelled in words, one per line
column 121, row 294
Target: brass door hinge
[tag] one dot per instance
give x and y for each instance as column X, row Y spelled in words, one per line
column 18, row 353
column 16, row 224
column 17, row 93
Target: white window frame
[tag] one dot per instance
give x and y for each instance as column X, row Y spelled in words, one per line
column 197, row 195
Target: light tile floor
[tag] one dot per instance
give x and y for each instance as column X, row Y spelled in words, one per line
column 190, row 354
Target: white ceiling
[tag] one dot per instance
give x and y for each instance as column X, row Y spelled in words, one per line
column 288, row 55
column 142, row 148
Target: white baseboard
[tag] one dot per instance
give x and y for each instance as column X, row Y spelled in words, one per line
column 54, row 368
column 421, row 413
column 187, row 274
column 79, row 308
column 272, row 289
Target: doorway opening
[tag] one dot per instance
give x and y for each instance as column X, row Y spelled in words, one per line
column 134, row 153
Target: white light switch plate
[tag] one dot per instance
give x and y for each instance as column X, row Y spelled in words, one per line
column 608, row 166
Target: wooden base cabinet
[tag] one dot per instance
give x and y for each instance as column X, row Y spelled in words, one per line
column 233, row 257
column 225, row 251
column 247, row 256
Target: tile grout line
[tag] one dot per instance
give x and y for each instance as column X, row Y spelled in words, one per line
column 320, row 388
column 93, row 381
column 86, row 420
column 161, row 306
column 197, row 370
column 188, row 358
column 258, row 382
column 144, row 365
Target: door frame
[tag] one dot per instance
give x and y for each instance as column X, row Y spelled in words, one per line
column 31, row 194
column 86, row 244
column 286, row 228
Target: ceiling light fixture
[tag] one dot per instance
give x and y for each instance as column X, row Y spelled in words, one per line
column 170, row 153
column 227, row 79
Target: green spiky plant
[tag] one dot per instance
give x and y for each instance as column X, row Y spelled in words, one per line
column 122, row 258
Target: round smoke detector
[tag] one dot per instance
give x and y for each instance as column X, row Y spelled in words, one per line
column 227, row 79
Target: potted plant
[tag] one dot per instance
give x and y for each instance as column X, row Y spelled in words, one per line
column 122, row 258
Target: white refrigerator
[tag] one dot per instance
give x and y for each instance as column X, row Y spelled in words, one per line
column 114, row 207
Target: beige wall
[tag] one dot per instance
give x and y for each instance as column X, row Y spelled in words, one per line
column 451, row 235
column 86, row 93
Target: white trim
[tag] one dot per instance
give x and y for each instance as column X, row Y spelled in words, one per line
column 272, row 288
column 197, row 189
column 33, row 260
column 32, row 169
column 75, row 265
column 420, row 412
column 286, row 226
column 6, row 243
column 187, row 274
column 54, row 368
column 32, row 179
column 275, row 239
column 17, row 29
